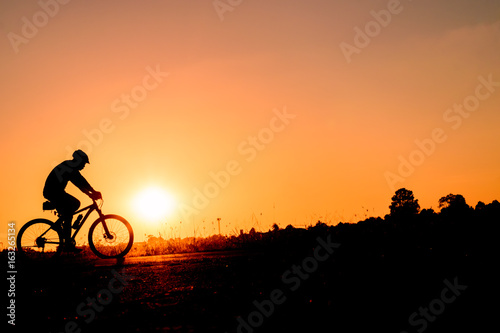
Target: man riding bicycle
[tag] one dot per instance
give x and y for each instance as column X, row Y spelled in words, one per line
column 65, row 203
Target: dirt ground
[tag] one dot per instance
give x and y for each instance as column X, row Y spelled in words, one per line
column 309, row 288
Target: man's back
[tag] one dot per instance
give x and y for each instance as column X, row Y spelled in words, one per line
column 59, row 176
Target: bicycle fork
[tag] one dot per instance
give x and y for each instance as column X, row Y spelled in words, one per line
column 105, row 227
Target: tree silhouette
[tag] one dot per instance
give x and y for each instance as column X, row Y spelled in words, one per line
column 404, row 204
column 427, row 213
column 480, row 206
column 452, row 201
column 453, row 204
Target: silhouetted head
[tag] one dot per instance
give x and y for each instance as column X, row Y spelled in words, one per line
column 80, row 159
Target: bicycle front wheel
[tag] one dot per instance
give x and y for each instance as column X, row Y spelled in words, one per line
column 111, row 237
column 39, row 239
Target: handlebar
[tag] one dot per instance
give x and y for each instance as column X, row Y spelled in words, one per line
column 94, row 200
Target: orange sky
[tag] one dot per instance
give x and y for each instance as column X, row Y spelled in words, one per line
column 172, row 92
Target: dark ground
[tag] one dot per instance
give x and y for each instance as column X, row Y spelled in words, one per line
column 381, row 274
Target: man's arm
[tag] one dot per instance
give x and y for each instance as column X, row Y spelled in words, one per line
column 79, row 181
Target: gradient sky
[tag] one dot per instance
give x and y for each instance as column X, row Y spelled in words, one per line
column 228, row 74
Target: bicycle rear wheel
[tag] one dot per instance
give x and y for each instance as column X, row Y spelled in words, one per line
column 111, row 237
column 39, row 239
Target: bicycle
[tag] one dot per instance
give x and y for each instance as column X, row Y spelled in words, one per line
column 110, row 236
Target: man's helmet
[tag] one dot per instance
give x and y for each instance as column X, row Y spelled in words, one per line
column 80, row 155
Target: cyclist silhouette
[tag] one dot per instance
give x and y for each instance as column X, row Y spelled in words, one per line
column 64, row 203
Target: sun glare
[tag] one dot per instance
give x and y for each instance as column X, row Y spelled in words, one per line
column 154, row 203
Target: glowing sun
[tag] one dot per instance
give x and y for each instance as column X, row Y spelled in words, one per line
column 154, row 203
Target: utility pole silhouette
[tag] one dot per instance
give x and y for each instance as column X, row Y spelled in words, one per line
column 218, row 223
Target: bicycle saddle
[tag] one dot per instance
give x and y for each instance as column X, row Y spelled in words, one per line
column 47, row 205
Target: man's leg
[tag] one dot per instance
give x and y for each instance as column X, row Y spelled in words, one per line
column 67, row 205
